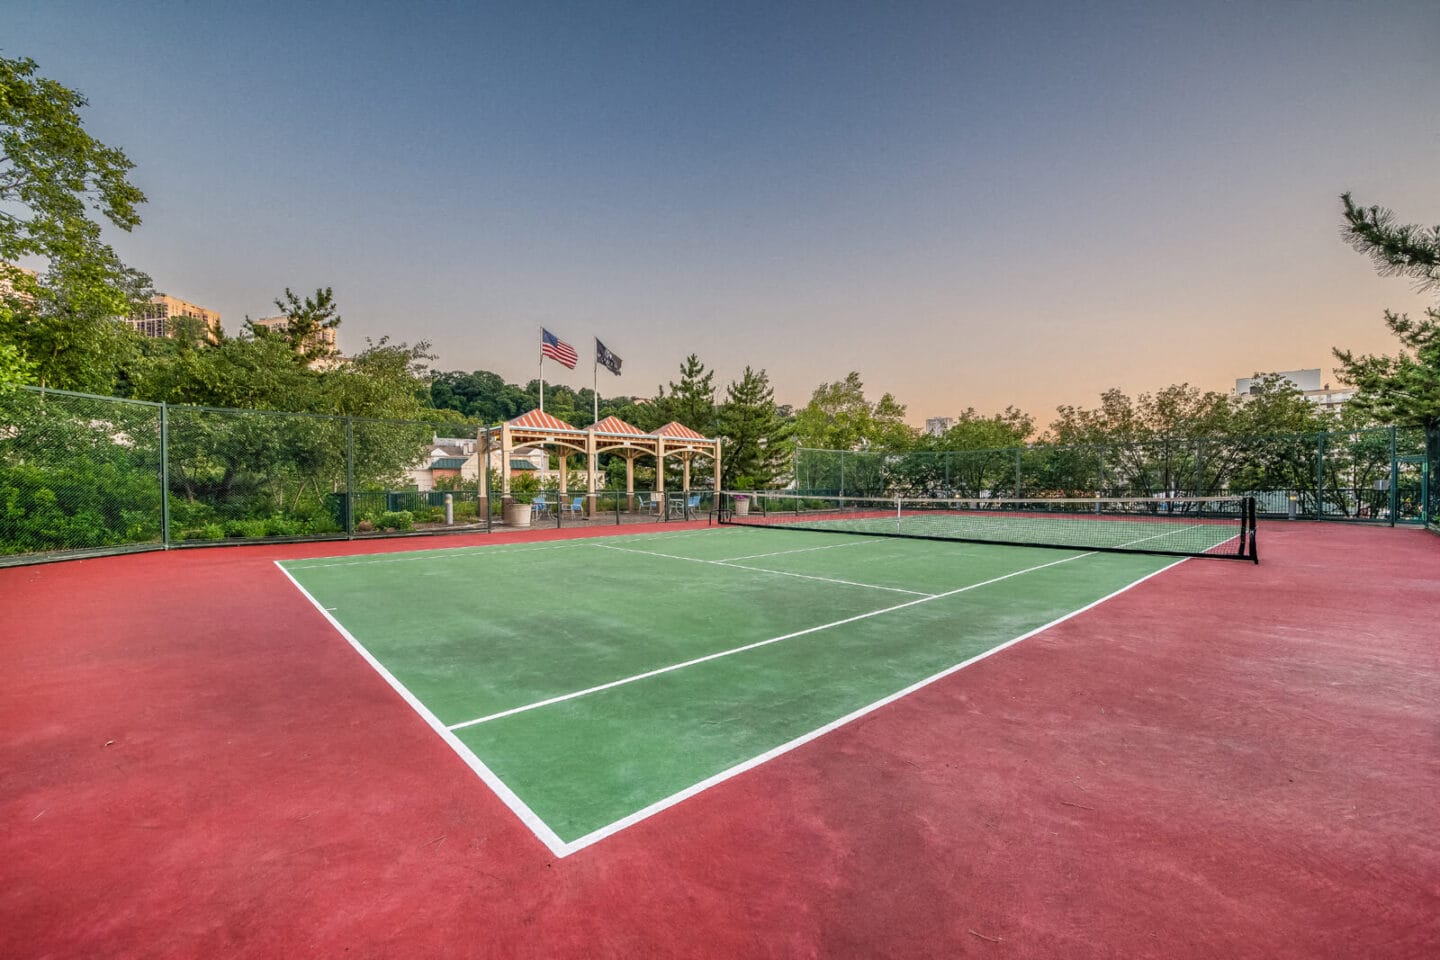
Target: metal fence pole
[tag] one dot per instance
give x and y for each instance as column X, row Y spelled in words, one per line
column 349, row 477
column 165, row 476
column 1394, row 479
column 1319, row 476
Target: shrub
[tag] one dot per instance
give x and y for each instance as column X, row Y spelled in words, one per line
column 247, row 529
column 396, row 520
column 209, row 531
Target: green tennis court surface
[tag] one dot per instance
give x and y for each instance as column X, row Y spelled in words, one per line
column 592, row 682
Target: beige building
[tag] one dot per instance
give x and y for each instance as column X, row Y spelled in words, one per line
column 153, row 319
column 322, row 339
column 7, row 280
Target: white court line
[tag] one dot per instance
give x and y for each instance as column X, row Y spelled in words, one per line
column 779, row 553
column 778, row 573
column 752, row 646
column 507, row 796
column 611, row 829
column 484, row 549
column 1167, row 533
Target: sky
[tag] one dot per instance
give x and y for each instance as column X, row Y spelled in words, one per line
column 971, row 204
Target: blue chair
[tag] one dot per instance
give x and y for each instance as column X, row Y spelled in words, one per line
column 575, row 506
column 540, row 508
column 693, row 504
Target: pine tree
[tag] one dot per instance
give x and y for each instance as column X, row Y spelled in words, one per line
column 757, row 439
column 692, row 400
column 1404, row 388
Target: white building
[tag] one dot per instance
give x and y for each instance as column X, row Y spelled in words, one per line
column 938, row 426
column 458, row 457
column 1308, row 383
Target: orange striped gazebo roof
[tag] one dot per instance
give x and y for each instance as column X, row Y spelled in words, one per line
column 679, row 431
column 540, row 420
column 613, row 424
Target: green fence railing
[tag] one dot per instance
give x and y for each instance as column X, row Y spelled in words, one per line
column 1378, row 475
column 83, row 475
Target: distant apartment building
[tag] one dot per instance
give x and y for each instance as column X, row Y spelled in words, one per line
column 1308, row 383
column 938, row 426
column 459, row 457
column 321, row 340
column 153, row 319
column 7, row 280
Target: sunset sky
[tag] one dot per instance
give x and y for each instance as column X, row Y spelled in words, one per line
column 971, row 204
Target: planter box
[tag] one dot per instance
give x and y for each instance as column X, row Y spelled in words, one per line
column 517, row 514
column 740, row 507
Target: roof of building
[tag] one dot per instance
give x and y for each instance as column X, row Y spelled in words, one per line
column 679, row 431
column 518, row 464
column 537, row 418
column 613, row 424
column 447, row 463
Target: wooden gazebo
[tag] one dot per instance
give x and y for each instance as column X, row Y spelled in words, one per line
column 611, row 435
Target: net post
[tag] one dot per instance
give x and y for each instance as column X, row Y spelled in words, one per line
column 1250, row 522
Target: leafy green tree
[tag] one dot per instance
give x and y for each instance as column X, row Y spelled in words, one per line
column 305, row 321
column 840, row 417
column 757, row 447
column 974, row 457
column 14, row 368
column 52, row 175
column 1404, row 388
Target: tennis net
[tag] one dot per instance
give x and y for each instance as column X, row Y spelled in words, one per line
column 1181, row 526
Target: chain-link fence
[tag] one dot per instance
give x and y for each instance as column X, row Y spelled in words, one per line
column 1380, row 475
column 79, row 473
column 82, row 475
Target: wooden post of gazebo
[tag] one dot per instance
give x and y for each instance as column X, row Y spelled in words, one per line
column 592, row 504
column 505, row 452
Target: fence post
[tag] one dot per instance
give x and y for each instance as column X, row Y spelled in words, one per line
column 165, row 475
column 842, row 473
column 1319, row 476
column 1018, row 494
column 1394, row 479
column 349, row 477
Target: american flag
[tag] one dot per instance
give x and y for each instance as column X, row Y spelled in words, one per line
column 556, row 349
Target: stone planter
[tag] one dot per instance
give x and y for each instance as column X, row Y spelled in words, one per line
column 740, row 506
column 517, row 514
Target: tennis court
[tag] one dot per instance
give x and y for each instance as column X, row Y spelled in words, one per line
column 200, row 764
column 594, row 682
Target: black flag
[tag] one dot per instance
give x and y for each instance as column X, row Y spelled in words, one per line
column 606, row 359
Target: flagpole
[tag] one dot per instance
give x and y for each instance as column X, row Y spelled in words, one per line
column 542, row 370
column 595, row 382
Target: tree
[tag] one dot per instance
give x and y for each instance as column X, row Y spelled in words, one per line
column 973, row 458
column 692, row 400
column 305, row 322
column 757, row 445
column 1404, row 388
column 14, row 368
column 52, row 175
column 840, row 417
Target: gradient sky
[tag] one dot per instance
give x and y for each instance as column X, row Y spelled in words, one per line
column 973, row 204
